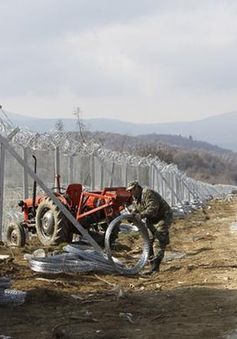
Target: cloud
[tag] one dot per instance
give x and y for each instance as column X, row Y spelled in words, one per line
column 138, row 54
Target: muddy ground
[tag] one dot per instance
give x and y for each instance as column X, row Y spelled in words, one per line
column 192, row 297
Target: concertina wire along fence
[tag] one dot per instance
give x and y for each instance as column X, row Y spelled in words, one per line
column 92, row 166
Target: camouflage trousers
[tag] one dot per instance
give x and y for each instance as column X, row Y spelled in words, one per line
column 159, row 237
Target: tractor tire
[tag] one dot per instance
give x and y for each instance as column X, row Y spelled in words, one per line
column 15, row 235
column 52, row 226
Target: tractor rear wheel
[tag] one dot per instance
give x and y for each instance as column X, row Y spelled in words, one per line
column 51, row 225
column 15, row 235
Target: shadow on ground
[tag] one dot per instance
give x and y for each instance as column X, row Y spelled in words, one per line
column 178, row 313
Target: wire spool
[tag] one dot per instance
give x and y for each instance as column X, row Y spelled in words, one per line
column 130, row 251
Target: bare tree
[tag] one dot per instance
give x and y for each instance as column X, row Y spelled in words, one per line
column 80, row 125
column 59, row 126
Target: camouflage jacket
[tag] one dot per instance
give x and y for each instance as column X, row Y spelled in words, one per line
column 152, row 206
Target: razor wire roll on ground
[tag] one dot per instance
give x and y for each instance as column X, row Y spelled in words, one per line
column 9, row 296
column 126, row 223
column 117, row 257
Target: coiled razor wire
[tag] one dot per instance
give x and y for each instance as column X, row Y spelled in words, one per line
column 88, row 254
column 13, row 297
column 71, row 263
column 146, row 244
column 175, row 186
column 9, row 296
column 80, row 260
column 70, row 145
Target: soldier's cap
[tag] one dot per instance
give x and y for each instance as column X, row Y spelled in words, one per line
column 132, row 185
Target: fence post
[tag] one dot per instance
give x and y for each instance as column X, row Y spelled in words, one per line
column 125, row 174
column 25, row 175
column 101, row 174
column 154, row 177
column 173, row 189
column 160, row 182
column 92, row 170
column 151, row 176
column 168, row 186
column 57, row 167
column 112, row 175
column 188, row 189
column 138, row 172
column 70, row 169
column 2, row 168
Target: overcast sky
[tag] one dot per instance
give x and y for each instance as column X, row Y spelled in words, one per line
column 135, row 60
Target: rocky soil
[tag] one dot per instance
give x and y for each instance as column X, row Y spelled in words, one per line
column 193, row 296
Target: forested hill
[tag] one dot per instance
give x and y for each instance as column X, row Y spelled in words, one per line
column 182, row 142
column 198, row 159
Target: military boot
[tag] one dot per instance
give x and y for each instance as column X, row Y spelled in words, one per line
column 155, row 266
column 151, row 252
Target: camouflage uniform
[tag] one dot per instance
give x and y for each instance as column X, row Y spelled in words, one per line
column 158, row 214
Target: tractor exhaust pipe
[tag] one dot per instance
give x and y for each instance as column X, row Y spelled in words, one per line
column 34, row 183
column 57, row 171
column 57, row 183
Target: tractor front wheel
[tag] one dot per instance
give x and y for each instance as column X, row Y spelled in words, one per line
column 51, row 225
column 15, row 235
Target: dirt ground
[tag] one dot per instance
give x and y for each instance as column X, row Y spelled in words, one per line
column 191, row 297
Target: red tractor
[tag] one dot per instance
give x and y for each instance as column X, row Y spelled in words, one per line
column 93, row 210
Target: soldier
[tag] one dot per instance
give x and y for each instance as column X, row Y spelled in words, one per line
column 149, row 205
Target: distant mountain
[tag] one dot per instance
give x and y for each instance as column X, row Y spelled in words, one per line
column 39, row 125
column 219, row 130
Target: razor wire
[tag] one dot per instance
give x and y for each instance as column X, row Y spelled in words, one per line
column 10, row 296
column 78, row 258
column 95, row 167
column 74, row 258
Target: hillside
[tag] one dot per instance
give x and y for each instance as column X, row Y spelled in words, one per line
column 218, row 130
column 199, row 160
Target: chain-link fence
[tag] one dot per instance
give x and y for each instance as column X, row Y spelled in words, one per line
column 59, row 153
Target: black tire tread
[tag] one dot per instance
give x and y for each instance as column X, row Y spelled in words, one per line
column 21, row 239
column 62, row 232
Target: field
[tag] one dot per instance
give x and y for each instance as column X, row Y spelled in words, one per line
column 194, row 295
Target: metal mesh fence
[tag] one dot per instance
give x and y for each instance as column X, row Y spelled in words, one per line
column 93, row 167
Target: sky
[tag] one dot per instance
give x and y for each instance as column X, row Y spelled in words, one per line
column 135, row 60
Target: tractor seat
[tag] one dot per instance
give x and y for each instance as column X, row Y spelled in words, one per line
column 74, row 192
